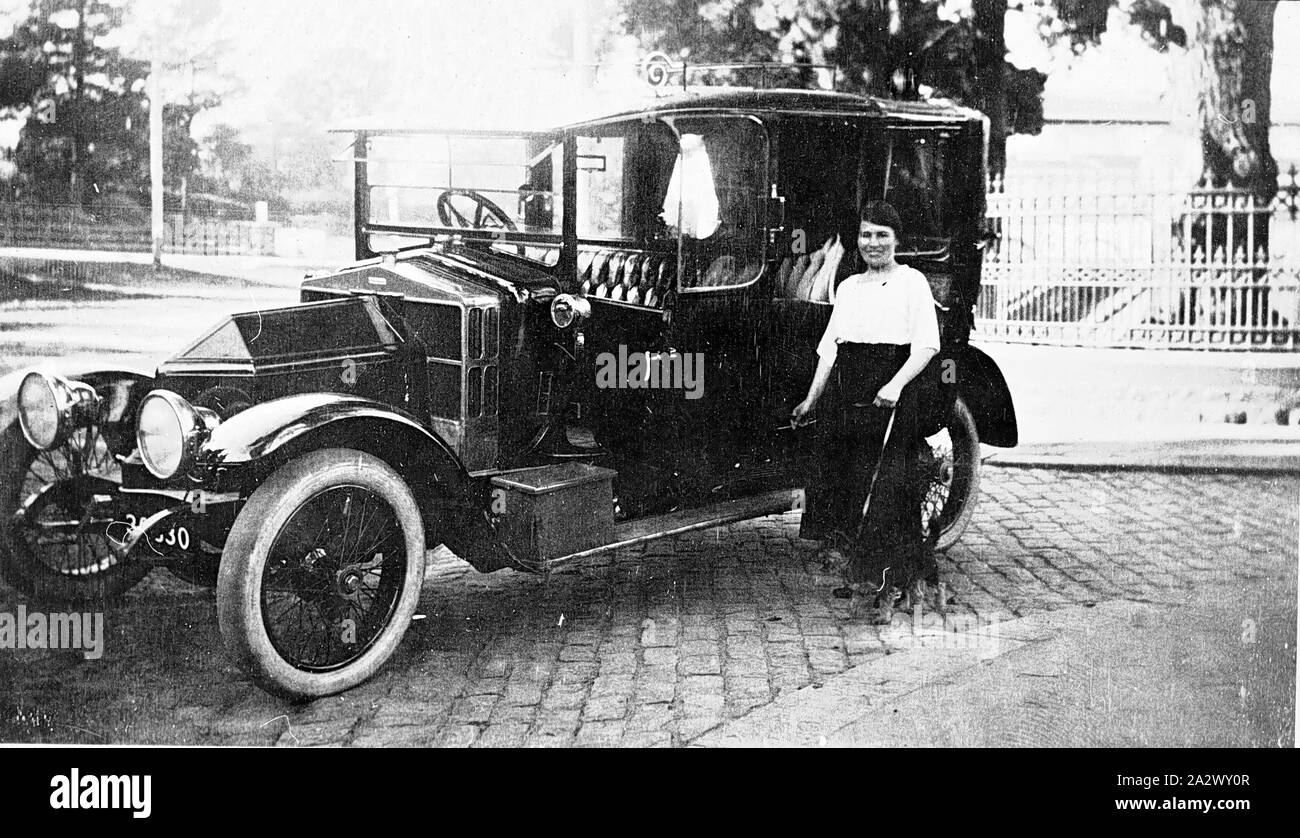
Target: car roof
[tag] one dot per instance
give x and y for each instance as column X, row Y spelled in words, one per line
column 805, row 102
column 802, row 102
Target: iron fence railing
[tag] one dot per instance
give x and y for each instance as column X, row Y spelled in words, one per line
column 128, row 230
column 1078, row 264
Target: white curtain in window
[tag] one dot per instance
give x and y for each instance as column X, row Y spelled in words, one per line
column 691, row 198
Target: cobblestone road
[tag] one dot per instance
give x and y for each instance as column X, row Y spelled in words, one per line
column 657, row 645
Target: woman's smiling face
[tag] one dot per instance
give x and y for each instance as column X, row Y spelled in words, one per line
column 876, row 243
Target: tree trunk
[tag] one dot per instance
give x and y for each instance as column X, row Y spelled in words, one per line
column 1232, row 59
column 863, row 48
column 990, row 77
column 1230, row 55
column 76, row 185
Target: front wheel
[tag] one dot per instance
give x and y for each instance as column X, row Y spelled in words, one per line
column 950, row 475
column 53, row 546
column 321, row 573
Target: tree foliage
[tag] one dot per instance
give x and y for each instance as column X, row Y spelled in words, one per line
column 877, row 46
column 882, row 46
column 85, row 139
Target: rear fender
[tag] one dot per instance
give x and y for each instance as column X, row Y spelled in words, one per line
column 984, row 389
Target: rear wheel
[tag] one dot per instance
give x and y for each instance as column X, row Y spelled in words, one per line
column 950, row 474
column 321, row 574
column 57, row 550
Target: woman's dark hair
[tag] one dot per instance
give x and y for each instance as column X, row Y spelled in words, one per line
column 882, row 213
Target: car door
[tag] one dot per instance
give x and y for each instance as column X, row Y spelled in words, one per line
column 717, row 204
column 820, row 177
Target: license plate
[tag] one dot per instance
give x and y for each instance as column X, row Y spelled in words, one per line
column 175, row 538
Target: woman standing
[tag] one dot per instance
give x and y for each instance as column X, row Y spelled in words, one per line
column 882, row 333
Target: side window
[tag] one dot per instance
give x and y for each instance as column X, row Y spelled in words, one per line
column 716, row 199
column 540, row 205
column 623, row 174
column 917, row 174
column 601, row 193
column 819, row 172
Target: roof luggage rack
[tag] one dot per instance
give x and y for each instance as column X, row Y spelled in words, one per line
column 669, row 77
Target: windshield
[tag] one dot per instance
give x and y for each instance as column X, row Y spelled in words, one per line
column 491, row 184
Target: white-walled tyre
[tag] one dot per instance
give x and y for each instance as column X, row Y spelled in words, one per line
column 321, row 573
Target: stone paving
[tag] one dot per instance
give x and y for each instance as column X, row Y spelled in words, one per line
column 657, row 645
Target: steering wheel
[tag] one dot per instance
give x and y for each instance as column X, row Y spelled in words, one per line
column 484, row 210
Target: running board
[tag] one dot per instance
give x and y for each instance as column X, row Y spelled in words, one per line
column 688, row 520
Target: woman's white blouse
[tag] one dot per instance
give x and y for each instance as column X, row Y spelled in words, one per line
column 897, row 310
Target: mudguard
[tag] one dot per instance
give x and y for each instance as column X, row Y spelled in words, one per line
column 245, row 448
column 984, row 389
column 269, row 427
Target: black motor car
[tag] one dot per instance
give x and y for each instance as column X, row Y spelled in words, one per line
column 551, row 343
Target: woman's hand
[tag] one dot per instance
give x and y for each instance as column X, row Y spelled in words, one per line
column 889, row 395
column 799, row 416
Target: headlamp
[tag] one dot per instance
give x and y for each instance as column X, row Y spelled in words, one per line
column 170, row 432
column 567, row 308
column 50, row 407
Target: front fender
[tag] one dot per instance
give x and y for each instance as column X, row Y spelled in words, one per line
column 252, row 443
column 985, row 392
column 267, row 428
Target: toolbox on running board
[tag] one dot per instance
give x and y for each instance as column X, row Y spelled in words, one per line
column 552, row 511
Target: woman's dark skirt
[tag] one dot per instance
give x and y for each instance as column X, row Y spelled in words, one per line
column 886, row 547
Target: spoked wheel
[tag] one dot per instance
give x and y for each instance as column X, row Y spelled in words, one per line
column 321, row 574
column 950, row 474
column 52, row 547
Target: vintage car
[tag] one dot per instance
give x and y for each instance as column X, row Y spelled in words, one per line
column 550, row 344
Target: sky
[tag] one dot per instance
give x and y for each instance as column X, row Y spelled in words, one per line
column 454, row 59
column 441, row 57
column 500, row 62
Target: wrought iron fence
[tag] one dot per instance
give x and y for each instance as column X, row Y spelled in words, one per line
column 1081, row 264
column 128, row 230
